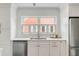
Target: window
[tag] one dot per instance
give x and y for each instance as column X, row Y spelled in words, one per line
column 48, row 24
column 35, row 24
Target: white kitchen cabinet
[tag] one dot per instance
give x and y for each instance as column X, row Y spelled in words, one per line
column 47, row 48
column 74, row 11
column 63, row 48
column 44, row 50
column 32, row 50
column 38, row 48
column 57, row 48
column 54, row 48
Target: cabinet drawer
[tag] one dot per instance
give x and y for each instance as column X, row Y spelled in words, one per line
column 54, row 42
column 33, row 42
column 44, row 42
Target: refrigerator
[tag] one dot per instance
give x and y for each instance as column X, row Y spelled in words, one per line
column 74, row 36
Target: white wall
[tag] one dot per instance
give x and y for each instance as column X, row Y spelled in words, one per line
column 5, row 29
column 64, row 20
column 64, row 14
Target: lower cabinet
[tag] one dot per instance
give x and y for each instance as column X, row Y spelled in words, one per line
column 38, row 49
column 44, row 50
column 47, row 48
column 58, row 48
column 32, row 50
column 55, row 48
column 63, row 48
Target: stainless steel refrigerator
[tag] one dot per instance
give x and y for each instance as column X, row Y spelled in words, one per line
column 74, row 36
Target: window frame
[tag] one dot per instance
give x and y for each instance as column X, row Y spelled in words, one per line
column 55, row 17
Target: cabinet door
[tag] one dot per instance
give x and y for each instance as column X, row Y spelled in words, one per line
column 63, row 48
column 55, row 48
column 44, row 50
column 32, row 50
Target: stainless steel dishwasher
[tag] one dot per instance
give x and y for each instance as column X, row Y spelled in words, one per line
column 19, row 48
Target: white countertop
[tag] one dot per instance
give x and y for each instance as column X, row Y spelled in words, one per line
column 55, row 39
column 39, row 39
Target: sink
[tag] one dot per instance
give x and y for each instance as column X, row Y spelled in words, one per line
column 38, row 38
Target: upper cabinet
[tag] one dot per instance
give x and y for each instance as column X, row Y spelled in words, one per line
column 74, row 9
